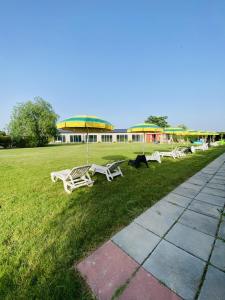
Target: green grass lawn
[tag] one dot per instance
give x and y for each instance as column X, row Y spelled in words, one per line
column 44, row 231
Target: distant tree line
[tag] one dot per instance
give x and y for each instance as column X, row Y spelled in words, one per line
column 162, row 122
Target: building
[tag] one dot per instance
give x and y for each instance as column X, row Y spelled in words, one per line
column 116, row 136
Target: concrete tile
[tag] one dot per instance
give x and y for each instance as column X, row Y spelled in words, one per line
column 217, row 181
column 213, row 286
column 144, row 286
column 220, row 174
column 221, row 232
column 190, row 193
column 199, row 222
column 195, row 242
column 211, row 199
column 106, row 270
column 216, row 186
column 189, row 185
column 219, row 177
column 205, row 208
column 197, row 181
column 177, row 269
column 218, row 255
column 136, row 241
column 214, row 192
column 167, row 209
column 209, row 171
column 157, row 222
column 177, row 199
column 204, row 175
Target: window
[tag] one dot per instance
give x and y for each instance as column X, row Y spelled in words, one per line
column 61, row 138
column 106, row 138
column 91, row 138
column 121, row 138
column 137, row 138
column 75, row 139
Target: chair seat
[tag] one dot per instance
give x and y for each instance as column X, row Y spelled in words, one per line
column 61, row 174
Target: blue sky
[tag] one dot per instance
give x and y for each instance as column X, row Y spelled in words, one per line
column 120, row 60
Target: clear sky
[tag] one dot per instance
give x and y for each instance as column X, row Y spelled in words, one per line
column 122, row 60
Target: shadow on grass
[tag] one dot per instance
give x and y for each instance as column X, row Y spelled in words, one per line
column 89, row 218
column 114, row 157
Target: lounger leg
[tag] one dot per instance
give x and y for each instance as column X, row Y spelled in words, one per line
column 120, row 171
column 53, row 178
column 108, row 176
column 66, row 188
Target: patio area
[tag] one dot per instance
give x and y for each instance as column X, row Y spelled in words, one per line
column 174, row 250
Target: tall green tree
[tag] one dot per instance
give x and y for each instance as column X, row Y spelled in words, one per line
column 161, row 121
column 32, row 123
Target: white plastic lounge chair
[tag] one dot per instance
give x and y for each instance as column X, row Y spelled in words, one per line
column 180, row 152
column 74, row 178
column 202, row 147
column 110, row 170
column 154, row 156
column 214, row 144
column 172, row 154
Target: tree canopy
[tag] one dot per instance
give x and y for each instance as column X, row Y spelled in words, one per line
column 32, row 123
column 183, row 126
column 161, row 121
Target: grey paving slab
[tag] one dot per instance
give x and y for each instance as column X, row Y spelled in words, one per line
column 199, row 222
column 195, row 242
column 219, row 177
column 189, row 185
column 202, row 176
column 209, row 171
column 213, row 286
column 190, row 193
column 218, row 255
column 211, row 199
column 177, row 269
column 218, row 181
column 136, row 241
column 205, row 208
column 167, row 209
column 214, row 192
column 158, row 224
column 222, row 174
column 197, row 181
column 216, row 186
column 221, row 232
column 177, row 199
column 205, row 175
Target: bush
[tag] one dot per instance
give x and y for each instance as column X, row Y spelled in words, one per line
column 5, row 141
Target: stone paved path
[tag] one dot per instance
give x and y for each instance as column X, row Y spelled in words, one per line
column 174, row 250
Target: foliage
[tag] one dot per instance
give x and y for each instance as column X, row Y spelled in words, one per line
column 183, row 126
column 44, row 231
column 33, row 123
column 5, row 141
column 161, row 121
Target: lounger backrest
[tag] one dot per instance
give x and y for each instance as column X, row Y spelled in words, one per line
column 78, row 172
column 155, row 155
column 115, row 165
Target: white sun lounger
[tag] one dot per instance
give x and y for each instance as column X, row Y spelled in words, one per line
column 110, row 170
column 155, row 156
column 74, row 178
column 202, row 147
column 214, row 144
column 172, row 154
